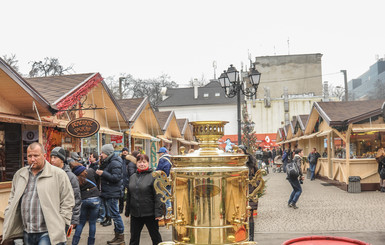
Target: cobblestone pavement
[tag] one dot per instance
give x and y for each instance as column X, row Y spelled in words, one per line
column 323, row 210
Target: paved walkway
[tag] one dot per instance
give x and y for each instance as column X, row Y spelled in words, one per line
column 323, row 210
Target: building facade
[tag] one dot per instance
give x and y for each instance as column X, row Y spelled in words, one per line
column 370, row 85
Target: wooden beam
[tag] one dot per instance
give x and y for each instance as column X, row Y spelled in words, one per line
column 339, row 134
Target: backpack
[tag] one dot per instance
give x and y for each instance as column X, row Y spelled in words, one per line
column 259, row 154
column 286, row 157
column 292, row 170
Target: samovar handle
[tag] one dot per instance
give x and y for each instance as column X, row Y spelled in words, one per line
column 160, row 184
column 257, row 182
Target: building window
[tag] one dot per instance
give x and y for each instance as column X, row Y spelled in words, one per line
column 205, row 95
column 217, row 94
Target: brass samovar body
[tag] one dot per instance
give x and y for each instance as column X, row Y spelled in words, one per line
column 209, row 192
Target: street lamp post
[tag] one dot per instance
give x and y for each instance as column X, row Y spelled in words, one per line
column 233, row 86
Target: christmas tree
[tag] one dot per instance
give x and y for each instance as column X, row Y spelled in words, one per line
column 249, row 138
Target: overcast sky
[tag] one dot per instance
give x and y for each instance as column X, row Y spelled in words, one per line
column 183, row 38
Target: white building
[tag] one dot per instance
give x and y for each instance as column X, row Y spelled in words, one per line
column 207, row 103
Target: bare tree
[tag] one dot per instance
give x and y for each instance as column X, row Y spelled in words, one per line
column 337, row 91
column 127, row 87
column 11, row 61
column 48, row 67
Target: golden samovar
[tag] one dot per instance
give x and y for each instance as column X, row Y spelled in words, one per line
column 209, row 192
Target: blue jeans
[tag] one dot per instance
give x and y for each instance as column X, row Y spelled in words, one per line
column 103, row 210
column 297, row 190
column 90, row 210
column 41, row 238
column 168, row 202
column 312, row 170
column 113, row 208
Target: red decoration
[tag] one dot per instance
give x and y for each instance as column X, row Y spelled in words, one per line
column 76, row 96
column 48, row 143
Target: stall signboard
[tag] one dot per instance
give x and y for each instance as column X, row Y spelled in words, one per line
column 117, row 142
column 82, row 127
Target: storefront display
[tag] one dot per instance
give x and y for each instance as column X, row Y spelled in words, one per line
column 366, row 144
column 90, row 144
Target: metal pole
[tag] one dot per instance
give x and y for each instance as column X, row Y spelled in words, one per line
column 239, row 111
column 346, row 84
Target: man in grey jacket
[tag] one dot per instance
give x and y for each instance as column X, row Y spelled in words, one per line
column 58, row 160
column 41, row 201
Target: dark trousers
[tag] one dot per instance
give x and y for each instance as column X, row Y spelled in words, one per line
column 137, row 224
column 297, row 190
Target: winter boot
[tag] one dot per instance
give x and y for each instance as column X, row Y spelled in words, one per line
column 114, row 239
column 91, row 241
column 251, row 231
column 119, row 240
column 75, row 240
column 107, row 222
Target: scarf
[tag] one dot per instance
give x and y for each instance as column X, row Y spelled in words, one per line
column 144, row 170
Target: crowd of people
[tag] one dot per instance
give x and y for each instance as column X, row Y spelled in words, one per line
column 51, row 198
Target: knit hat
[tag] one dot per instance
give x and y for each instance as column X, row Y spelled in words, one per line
column 70, row 160
column 125, row 149
column 75, row 156
column 59, row 152
column 78, row 170
column 108, row 149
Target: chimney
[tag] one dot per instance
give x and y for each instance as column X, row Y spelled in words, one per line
column 326, row 91
column 163, row 92
column 195, row 84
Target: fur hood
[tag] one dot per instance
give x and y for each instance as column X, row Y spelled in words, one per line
column 131, row 158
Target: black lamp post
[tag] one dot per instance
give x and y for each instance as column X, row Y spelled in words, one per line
column 233, row 86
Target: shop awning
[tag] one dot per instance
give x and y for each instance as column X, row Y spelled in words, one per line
column 310, row 135
column 140, row 135
column 292, row 140
column 109, row 131
column 324, row 133
column 164, row 139
column 24, row 120
column 368, row 128
column 187, row 142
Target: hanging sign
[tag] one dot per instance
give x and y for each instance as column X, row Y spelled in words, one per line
column 82, row 127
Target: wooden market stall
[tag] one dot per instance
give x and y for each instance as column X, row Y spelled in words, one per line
column 349, row 133
column 21, row 123
column 81, row 96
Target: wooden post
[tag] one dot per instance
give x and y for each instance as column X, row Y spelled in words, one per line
column 348, row 153
column 40, row 134
column 330, row 165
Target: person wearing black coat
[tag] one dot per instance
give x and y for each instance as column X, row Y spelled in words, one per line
column 90, row 202
column 125, row 177
column 143, row 204
column 252, row 165
column 111, row 186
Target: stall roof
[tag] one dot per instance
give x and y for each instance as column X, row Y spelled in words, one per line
column 55, row 87
column 19, row 93
column 344, row 112
column 302, row 120
column 167, row 121
column 132, row 108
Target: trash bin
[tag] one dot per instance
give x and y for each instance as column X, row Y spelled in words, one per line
column 354, row 185
column 308, row 173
